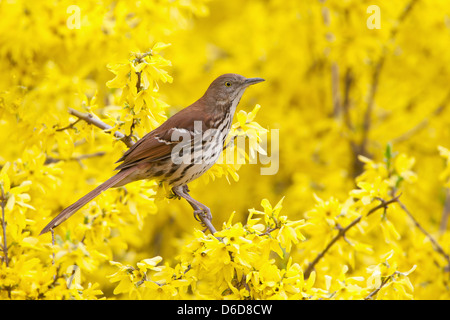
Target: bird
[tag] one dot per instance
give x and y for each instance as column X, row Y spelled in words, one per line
column 180, row 150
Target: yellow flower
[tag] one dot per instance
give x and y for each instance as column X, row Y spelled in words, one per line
column 403, row 165
column 149, row 264
column 122, row 73
column 370, row 190
column 126, row 276
column 445, row 175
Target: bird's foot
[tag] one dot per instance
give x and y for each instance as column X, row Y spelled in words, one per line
column 205, row 213
column 173, row 195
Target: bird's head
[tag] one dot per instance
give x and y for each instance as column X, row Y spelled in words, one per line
column 229, row 88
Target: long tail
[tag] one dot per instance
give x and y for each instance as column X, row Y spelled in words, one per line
column 70, row 210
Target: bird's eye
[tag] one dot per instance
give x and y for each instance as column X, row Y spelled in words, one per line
column 228, row 84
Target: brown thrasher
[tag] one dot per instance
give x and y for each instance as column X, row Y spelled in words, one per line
column 161, row 154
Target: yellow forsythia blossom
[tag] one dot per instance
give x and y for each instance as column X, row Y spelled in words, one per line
column 353, row 122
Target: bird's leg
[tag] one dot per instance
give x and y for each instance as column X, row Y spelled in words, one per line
column 201, row 212
column 196, row 208
column 199, row 208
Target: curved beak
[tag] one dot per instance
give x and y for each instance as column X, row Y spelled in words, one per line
column 250, row 81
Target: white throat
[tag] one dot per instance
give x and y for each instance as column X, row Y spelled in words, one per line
column 236, row 101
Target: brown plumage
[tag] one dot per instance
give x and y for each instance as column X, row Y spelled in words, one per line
column 157, row 155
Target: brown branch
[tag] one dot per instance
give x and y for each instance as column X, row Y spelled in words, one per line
column 436, row 246
column 268, row 231
column 373, row 91
column 376, row 74
column 50, row 160
column 445, row 212
column 425, row 122
column 374, row 292
column 91, row 119
column 361, row 149
column 346, row 104
column 70, row 126
column 335, row 94
column 403, row 16
column 139, row 59
column 343, row 231
column 53, row 246
column 138, row 82
column 5, row 245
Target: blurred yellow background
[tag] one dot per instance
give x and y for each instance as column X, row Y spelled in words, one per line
column 335, row 87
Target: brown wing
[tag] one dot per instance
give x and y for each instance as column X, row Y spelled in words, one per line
column 158, row 144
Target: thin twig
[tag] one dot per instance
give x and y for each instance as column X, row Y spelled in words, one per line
column 268, row 231
column 377, row 70
column 372, row 94
column 374, row 292
column 437, row 247
column 425, row 122
column 445, row 212
column 138, row 82
column 50, row 160
column 91, row 119
column 346, row 104
column 140, row 58
column 55, row 277
column 343, row 231
column 335, row 92
column 5, row 245
column 361, row 149
column 70, row 126
column 53, row 246
column 72, row 276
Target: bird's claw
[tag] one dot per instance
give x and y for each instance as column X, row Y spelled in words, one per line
column 202, row 212
column 173, row 196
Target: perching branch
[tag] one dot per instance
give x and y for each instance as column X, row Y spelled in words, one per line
column 91, row 119
column 342, row 231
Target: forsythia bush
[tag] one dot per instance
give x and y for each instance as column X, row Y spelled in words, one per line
column 356, row 208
